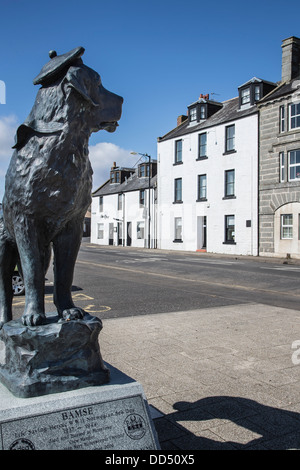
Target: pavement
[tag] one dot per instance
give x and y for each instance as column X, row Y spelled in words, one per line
column 225, row 378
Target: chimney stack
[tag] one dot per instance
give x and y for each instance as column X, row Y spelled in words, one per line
column 290, row 67
column 181, row 119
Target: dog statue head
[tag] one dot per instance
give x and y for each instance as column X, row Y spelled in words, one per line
column 70, row 93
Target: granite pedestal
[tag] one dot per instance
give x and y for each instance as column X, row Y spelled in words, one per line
column 112, row 416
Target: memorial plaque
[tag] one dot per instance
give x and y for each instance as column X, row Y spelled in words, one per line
column 112, row 417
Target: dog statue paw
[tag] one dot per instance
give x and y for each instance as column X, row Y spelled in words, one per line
column 33, row 319
column 74, row 313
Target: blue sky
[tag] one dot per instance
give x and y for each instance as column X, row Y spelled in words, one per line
column 158, row 54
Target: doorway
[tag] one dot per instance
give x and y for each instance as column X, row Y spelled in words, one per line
column 129, row 230
column 201, row 232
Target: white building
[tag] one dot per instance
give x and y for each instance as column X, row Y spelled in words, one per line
column 120, row 208
column 208, row 176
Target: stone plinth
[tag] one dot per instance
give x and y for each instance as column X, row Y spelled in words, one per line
column 51, row 358
column 113, row 416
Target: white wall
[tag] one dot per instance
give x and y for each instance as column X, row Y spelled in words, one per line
column 244, row 206
column 131, row 212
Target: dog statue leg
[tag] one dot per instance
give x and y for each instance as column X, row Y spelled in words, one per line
column 32, row 255
column 65, row 248
column 8, row 259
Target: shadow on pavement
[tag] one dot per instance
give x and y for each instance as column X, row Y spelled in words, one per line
column 228, row 423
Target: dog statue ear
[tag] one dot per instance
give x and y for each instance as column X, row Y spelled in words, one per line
column 77, row 83
column 30, row 126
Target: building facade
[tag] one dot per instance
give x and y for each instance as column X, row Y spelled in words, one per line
column 124, row 208
column 207, row 176
column 279, row 162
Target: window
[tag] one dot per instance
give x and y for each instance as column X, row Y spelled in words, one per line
column 294, row 165
column 178, row 151
column 294, row 116
column 100, row 203
column 256, row 93
column 202, row 112
column 245, row 96
column 230, row 138
column 281, row 119
column 100, row 234
column 229, row 229
column 193, row 114
column 202, row 188
column 120, row 200
column 142, row 197
column 286, row 231
column 115, row 177
column 229, row 183
column 178, row 229
column 178, row 190
column 202, row 145
column 140, row 229
column 281, row 160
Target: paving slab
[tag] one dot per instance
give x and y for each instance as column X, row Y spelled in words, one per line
column 218, row 378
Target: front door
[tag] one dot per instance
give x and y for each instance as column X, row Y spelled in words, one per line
column 129, row 228
column 201, row 232
column 111, row 234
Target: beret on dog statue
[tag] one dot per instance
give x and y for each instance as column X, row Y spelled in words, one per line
column 48, row 185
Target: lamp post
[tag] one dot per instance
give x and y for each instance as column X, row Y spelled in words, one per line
column 149, row 186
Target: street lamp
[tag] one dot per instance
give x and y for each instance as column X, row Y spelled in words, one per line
column 149, row 185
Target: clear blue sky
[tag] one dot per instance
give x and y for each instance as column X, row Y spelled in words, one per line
column 158, row 54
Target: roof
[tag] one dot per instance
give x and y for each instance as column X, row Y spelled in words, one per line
column 281, row 90
column 133, row 183
column 256, row 80
column 229, row 112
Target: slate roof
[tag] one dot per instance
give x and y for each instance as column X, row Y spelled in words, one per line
column 229, row 112
column 281, row 90
column 133, row 183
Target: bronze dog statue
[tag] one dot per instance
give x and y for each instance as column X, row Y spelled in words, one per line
column 49, row 182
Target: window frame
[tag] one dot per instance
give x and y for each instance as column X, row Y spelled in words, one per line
column 293, row 165
column 248, row 95
column 178, row 229
column 193, row 114
column 295, row 116
column 282, row 119
column 202, row 187
column 100, row 203
column 120, row 201
column 281, row 167
column 229, row 138
column 284, row 226
column 140, row 230
column 202, row 146
column 142, row 197
column 229, row 238
column 177, row 190
column 100, row 231
column 229, row 184
column 178, row 152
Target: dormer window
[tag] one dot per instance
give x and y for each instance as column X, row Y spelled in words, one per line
column 257, row 93
column 203, row 113
column 143, row 170
column 202, row 109
column 245, row 96
column 115, row 176
column 253, row 90
column 193, row 114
